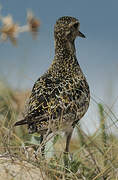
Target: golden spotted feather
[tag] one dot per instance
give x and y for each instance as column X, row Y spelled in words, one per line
column 61, row 96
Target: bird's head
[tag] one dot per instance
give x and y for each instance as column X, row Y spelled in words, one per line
column 67, row 28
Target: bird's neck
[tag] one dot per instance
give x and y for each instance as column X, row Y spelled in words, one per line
column 64, row 48
column 65, row 58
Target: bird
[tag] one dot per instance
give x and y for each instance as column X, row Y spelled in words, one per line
column 61, row 96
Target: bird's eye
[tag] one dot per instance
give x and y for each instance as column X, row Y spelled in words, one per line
column 76, row 25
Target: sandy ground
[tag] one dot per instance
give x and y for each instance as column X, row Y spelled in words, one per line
column 17, row 170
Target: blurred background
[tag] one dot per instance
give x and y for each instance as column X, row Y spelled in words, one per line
column 21, row 66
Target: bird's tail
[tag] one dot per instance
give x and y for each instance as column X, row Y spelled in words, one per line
column 21, row 122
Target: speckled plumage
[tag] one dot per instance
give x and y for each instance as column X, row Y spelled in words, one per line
column 60, row 97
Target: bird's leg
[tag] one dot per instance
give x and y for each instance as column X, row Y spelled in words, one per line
column 38, row 148
column 68, row 138
column 42, row 145
column 43, row 142
column 66, row 158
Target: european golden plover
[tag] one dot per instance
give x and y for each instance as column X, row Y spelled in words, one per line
column 61, row 96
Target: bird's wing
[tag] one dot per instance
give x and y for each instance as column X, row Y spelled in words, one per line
column 51, row 97
column 42, row 100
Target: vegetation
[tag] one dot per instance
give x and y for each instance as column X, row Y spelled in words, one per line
column 94, row 157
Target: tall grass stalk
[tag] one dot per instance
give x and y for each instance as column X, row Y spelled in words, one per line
column 103, row 131
column 92, row 157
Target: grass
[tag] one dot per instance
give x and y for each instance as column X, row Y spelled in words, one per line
column 94, row 157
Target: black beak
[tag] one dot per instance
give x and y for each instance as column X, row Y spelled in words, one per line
column 81, row 34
